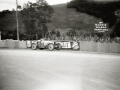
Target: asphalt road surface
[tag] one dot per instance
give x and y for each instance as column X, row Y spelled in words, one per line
column 26, row 69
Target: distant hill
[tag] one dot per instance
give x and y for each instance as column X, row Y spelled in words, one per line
column 63, row 18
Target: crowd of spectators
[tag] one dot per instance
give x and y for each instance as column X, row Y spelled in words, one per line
column 90, row 38
column 101, row 39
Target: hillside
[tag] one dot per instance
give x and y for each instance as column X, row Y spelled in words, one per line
column 63, row 18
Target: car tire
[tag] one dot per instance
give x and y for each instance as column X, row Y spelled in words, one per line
column 51, row 47
column 59, row 46
column 41, row 48
column 76, row 47
column 34, row 46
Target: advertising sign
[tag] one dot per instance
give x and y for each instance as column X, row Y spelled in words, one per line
column 65, row 44
column 101, row 27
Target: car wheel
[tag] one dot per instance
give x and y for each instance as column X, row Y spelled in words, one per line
column 34, row 46
column 76, row 47
column 51, row 47
column 41, row 48
column 59, row 46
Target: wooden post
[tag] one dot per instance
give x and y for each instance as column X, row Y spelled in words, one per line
column 0, row 35
column 17, row 20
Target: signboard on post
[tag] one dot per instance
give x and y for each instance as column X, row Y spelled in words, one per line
column 101, row 27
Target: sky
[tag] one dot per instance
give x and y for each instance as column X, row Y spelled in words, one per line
column 11, row 4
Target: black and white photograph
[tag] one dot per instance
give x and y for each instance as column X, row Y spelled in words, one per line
column 59, row 44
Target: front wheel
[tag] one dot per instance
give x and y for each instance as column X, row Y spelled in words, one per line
column 34, row 46
column 51, row 47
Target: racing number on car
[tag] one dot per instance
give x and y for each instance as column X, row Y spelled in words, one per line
column 66, row 45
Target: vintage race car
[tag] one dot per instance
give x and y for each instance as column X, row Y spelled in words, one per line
column 54, row 44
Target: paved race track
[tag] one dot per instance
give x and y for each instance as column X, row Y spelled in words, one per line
column 26, row 69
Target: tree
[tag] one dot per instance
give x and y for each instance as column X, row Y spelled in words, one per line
column 13, row 10
column 53, row 34
column 58, row 34
column 104, row 11
column 116, row 31
column 36, row 16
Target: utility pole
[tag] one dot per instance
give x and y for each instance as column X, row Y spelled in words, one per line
column 0, row 35
column 17, row 20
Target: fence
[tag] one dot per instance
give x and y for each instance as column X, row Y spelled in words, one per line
column 84, row 46
column 100, row 47
column 12, row 44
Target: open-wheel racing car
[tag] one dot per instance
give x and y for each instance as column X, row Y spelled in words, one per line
column 54, row 44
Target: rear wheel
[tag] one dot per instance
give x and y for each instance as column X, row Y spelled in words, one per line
column 59, row 46
column 41, row 48
column 51, row 47
column 76, row 47
column 34, row 46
